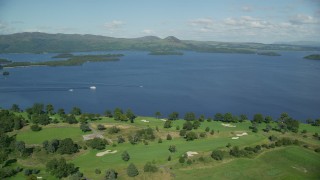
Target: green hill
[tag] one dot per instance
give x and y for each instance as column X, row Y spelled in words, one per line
column 35, row 42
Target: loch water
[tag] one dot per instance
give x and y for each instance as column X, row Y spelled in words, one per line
column 204, row 83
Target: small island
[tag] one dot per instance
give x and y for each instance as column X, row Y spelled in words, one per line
column 4, row 61
column 72, row 61
column 164, row 53
column 63, row 55
column 313, row 57
column 269, row 53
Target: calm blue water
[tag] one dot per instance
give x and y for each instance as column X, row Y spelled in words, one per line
column 204, row 83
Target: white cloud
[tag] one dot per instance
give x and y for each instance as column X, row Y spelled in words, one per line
column 114, row 25
column 147, row 31
column 204, row 22
column 247, row 8
column 247, row 22
column 303, row 19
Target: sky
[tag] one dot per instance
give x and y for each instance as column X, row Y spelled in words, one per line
column 265, row 21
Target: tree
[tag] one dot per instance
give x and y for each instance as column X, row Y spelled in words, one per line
column 187, row 125
column 149, row 167
column 117, row 113
column 172, row 148
column 50, row 109
column 21, row 147
column 61, row 112
column 85, row 127
column 167, row 124
column 173, row 116
column 132, row 170
column 111, row 174
column 159, row 140
column 189, row 116
column 15, row 108
column 207, row 129
column 169, row 137
column 218, row 117
column 120, row 139
column 182, row 159
column 108, row 113
column 157, row 114
column 228, row 117
column 182, row 132
column 71, row 119
column 201, row 118
column 196, row 124
column 67, row 146
column 268, row 119
column 217, row 155
column 190, row 136
column 125, row 156
column 97, row 143
column 258, row 118
column 60, row 168
column 130, row 115
column 169, row 158
column 75, row 111
column 243, row 117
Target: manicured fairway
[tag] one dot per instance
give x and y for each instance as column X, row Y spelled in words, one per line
column 49, row 133
column 285, row 163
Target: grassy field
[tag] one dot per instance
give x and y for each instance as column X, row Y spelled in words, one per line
column 284, row 163
column 60, row 131
column 291, row 162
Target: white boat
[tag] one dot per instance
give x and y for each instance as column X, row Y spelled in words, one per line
column 71, row 90
column 93, row 87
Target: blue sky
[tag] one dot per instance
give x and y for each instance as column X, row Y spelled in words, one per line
column 209, row 20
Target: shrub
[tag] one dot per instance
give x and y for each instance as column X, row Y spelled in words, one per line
column 182, row 160
column 125, row 156
column 172, row 148
column 217, row 155
column 190, row 136
column 160, row 140
column 101, row 127
column 97, row 171
column 114, row 130
column 169, row 158
column 35, row 127
column 132, row 170
column 182, row 132
column 207, row 129
column 97, row 143
column 169, row 137
column 111, row 174
column 189, row 162
column 203, row 134
column 149, row 167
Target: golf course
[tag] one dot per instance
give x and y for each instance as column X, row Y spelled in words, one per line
column 209, row 149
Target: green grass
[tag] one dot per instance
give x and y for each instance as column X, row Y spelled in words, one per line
column 285, row 163
column 271, row 164
column 49, row 133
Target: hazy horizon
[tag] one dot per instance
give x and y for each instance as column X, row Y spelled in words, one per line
column 228, row 21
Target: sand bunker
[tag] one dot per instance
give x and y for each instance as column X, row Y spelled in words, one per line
column 300, row 169
column 235, row 138
column 163, row 119
column 227, row 125
column 106, row 152
column 146, row 121
column 242, row 134
column 191, row 153
column 91, row 136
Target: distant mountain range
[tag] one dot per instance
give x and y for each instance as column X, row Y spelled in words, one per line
column 35, row 42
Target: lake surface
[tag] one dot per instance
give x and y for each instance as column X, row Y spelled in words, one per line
column 204, row 83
